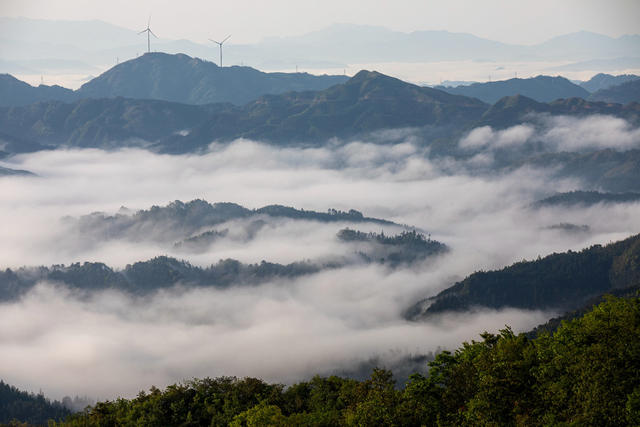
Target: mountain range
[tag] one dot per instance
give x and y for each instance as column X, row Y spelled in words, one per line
column 622, row 93
column 176, row 78
column 540, row 88
column 605, row 81
column 334, row 46
column 367, row 102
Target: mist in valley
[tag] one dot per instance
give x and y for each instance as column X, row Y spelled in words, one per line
column 109, row 343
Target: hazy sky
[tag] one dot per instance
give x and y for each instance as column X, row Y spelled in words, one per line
column 521, row 21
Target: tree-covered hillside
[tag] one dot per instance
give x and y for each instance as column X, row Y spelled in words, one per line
column 146, row 277
column 26, row 407
column 562, row 281
column 540, row 88
column 586, row 373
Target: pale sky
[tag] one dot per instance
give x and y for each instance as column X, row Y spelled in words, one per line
column 511, row 21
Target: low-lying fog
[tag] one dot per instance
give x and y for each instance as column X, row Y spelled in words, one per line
column 108, row 344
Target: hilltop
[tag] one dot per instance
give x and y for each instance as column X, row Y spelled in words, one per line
column 176, row 78
column 540, row 88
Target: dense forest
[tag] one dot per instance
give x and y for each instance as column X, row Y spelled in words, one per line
column 586, row 373
column 562, row 281
column 404, row 248
column 146, row 277
column 28, row 407
column 181, row 221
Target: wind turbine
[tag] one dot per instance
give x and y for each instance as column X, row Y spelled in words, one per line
column 220, row 44
column 148, row 31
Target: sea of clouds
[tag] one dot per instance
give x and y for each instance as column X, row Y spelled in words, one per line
column 109, row 344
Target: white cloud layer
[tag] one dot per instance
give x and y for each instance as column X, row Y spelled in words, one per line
column 558, row 133
column 109, row 344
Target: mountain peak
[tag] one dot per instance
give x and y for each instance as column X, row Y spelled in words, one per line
column 182, row 78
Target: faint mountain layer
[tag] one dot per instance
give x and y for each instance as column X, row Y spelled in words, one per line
column 100, row 43
column 541, row 89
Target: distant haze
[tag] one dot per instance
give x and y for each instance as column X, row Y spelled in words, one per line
column 524, row 22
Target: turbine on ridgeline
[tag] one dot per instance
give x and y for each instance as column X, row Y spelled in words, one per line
column 220, row 44
column 148, row 31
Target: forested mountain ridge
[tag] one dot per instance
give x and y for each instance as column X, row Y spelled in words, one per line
column 511, row 110
column 540, row 88
column 604, row 81
column 622, row 93
column 503, row 379
column 14, row 92
column 179, row 220
column 367, row 102
column 558, row 281
column 165, row 77
column 163, row 272
column 181, row 78
column 30, row 408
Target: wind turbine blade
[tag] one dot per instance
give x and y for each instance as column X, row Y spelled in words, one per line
column 152, row 33
column 225, row 39
column 143, row 31
column 149, row 22
column 214, row 41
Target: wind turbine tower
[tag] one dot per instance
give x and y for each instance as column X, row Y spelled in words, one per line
column 148, row 31
column 220, row 44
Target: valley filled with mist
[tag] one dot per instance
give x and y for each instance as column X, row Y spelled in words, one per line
column 172, row 219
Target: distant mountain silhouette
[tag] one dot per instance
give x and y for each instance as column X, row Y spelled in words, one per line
column 14, row 92
column 622, row 93
column 541, row 89
column 97, row 43
column 176, row 78
column 605, row 81
column 180, row 78
column 513, row 109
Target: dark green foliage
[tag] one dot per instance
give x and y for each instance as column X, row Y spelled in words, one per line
column 558, row 281
column 587, row 373
column 180, row 221
column 145, row 277
column 404, row 248
column 540, row 88
column 29, row 408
